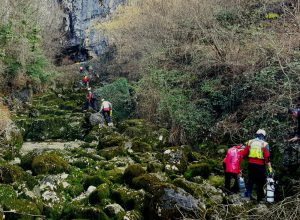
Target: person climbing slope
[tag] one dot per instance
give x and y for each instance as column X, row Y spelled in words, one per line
column 106, row 110
column 232, row 167
column 86, row 81
column 257, row 151
column 91, row 101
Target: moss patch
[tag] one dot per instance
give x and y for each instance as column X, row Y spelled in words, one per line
column 198, row 169
column 132, row 171
column 49, row 163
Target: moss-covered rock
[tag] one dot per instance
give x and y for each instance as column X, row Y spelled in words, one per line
column 169, row 202
column 49, row 163
column 11, row 173
column 7, row 194
column 128, row 198
column 23, row 209
column 148, row 182
column 133, row 171
column 198, row 169
column 112, row 152
column 115, row 175
column 99, row 195
column 73, row 211
column 140, row 146
column 154, row 167
column 111, row 140
column 94, row 180
column 210, row 195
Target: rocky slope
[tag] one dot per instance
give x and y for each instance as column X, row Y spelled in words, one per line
column 71, row 166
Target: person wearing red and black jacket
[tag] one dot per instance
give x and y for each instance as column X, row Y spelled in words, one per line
column 295, row 113
column 257, row 151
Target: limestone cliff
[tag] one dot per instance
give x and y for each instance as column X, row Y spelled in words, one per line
column 83, row 39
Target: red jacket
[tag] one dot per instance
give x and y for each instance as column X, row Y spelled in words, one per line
column 233, row 160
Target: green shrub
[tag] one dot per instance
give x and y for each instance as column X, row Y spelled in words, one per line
column 100, row 194
column 119, row 94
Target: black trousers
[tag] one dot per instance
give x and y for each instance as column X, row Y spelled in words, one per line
column 228, row 177
column 256, row 176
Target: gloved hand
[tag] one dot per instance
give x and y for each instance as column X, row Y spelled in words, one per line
column 270, row 169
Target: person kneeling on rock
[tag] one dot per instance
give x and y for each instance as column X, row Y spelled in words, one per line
column 106, row 110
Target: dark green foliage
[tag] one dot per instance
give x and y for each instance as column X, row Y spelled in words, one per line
column 49, row 163
column 132, row 171
column 119, row 94
column 199, row 169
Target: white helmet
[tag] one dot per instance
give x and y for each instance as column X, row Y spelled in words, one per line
column 261, row 131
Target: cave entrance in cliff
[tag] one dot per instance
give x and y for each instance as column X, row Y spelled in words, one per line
column 72, row 55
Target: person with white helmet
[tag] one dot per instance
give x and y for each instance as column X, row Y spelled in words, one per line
column 257, row 151
column 106, row 110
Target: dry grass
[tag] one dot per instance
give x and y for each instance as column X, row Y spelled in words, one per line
column 4, row 118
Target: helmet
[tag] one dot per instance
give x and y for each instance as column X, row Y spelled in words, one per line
column 261, row 131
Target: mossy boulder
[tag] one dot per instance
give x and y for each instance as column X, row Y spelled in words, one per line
column 140, row 146
column 154, row 167
column 128, row 198
column 112, row 152
column 23, row 209
column 209, row 194
column 169, row 202
column 49, row 163
column 111, row 140
column 94, row 180
column 7, row 194
column 148, row 182
column 99, row 195
column 73, row 211
column 11, row 173
column 67, row 127
column 198, row 169
column 144, row 132
column 115, row 175
column 133, row 171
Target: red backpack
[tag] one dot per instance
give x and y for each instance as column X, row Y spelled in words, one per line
column 233, row 159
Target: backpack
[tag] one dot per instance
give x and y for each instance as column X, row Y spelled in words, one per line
column 232, row 160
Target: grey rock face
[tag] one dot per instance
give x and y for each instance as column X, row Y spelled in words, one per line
column 80, row 21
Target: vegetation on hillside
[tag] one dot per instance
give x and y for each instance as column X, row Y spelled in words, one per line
column 28, row 40
column 211, row 69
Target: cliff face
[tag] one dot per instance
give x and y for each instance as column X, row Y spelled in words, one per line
column 83, row 38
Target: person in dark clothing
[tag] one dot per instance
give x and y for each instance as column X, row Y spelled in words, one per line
column 295, row 113
column 257, row 151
